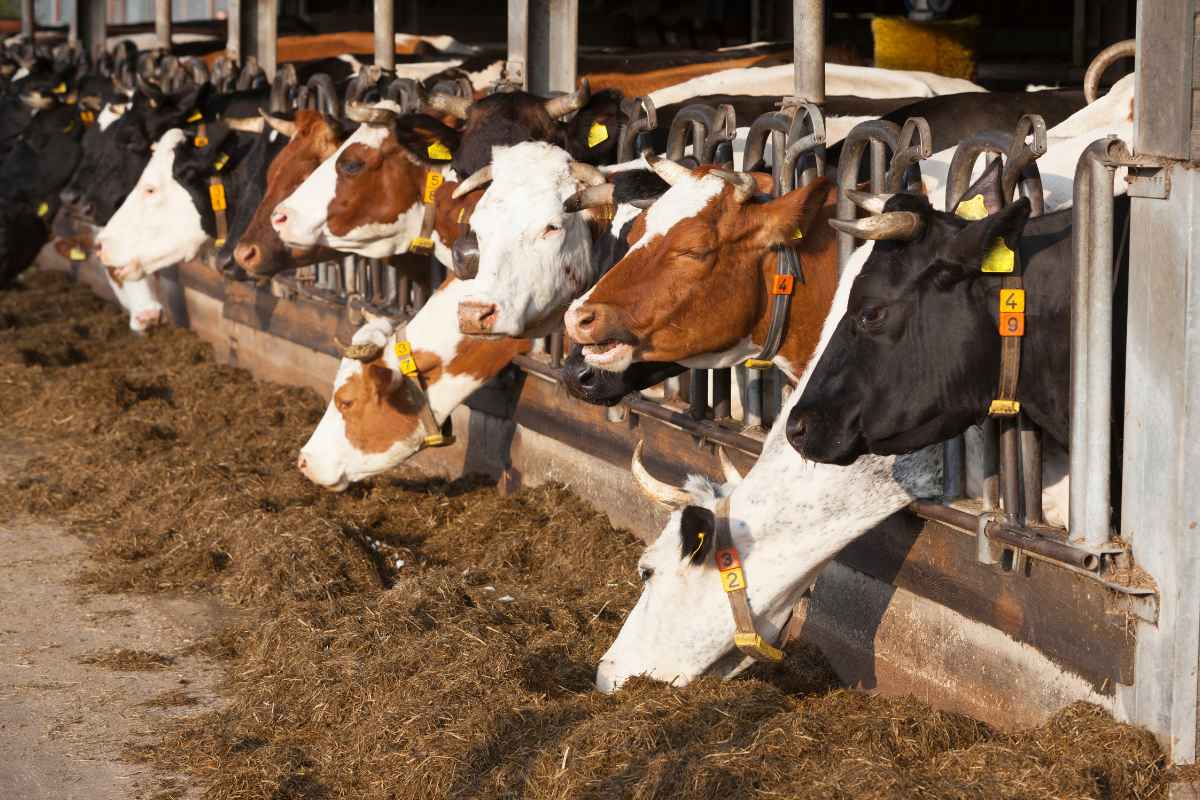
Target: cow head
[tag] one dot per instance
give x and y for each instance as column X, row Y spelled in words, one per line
column 374, row 419
column 706, row 244
column 312, row 138
column 170, row 215
column 534, row 256
column 366, row 198
column 506, row 118
column 915, row 358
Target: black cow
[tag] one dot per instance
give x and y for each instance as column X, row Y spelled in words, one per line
column 915, row 359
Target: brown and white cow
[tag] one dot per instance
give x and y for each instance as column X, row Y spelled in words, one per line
column 374, row 420
column 695, row 286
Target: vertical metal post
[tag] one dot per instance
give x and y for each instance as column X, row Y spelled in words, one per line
column 233, row 38
column 162, row 23
column 878, row 165
column 89, row 26
column 385, row 34
column 698, row 393
column 518, row 41
column 551, row 41
column 953, row 467
column 267, row 35
column 808, row 28
column 1031, row 470
column 1010, row 469
column 991, row 465
column 1079, row 34
column 28, row 20
column 722, row 401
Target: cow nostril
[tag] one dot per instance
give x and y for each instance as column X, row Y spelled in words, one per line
column 280, row 218
column 584, row 317
column 796, row 430
column 302, row 463
column 587, row 377
column 248, row 256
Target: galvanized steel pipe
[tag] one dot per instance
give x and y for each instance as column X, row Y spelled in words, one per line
column 808, row 28
column 385, row 34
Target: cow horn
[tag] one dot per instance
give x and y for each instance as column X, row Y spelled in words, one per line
column 450, row 104
column 587, row 174
column 284, row 126
column 477, row 181
column 561, row 106
column 591, row 197
column 868, row 201
column 744, row 185
column 732, row 475
column 661, row 492
column 359, row 352
column 1103, row 60
column 667, row 169
column 245, row 124
column 369, row 115
column 901, row 226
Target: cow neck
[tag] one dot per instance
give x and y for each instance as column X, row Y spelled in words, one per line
column 811, row 296
column 452, row 364
column 452, row 218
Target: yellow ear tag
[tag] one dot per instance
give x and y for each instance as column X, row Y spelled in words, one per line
column 432, row 181
column 216, row 193
column 597, row 134
column 201, row 141
column 421, row 245
column 220, row 163
column 195, row 117
column 972, row 209
column 60, row 89
column 70, row 127
column 77, row 255
column 43, row 209
column 88, row 117
column 999, row 258
column 439, row 152
column 799, row 234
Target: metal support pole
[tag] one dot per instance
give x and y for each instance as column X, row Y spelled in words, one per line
column 267, row 35
column 162, row 23
column 953, row 469
column 551, row 41
column 518, row 42
column 90, row 24
column 385, row 34
column 28, row 20
column 233, row 39
column 808, row 27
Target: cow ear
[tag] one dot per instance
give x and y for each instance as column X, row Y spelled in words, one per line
column 791, row 218
column 696, row 528
column 985, row 195
column 426, row 138
column 379, row 378
column 978, row 240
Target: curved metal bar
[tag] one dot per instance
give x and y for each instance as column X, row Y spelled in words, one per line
column 854, row 146
column 641, row 117
column 406, row 93
column 914, row 144
column 324, row 94
column 696, row 120
column 958, row 179
column 723, row 133
column 806, row 136
column 773, row 125
column 283, row 88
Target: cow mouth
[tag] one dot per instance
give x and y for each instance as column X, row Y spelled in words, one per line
column 611, row 355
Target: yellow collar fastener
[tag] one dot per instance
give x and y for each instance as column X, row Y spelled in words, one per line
column 434, row 435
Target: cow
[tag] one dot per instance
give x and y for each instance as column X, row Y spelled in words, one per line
column 312, row 138
column 787, row 519
column 367, row 198
column 31, row 176
column 541, row 237
column 922, row 268
column 377, row 417
column 175, row 209
column 709, row 243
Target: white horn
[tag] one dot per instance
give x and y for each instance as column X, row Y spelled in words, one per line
column 477, row 181
column 661, row 492
column 245, row 124
column 868, row 201
column 586, row 173
column 732, row 475
column 285, row 127
column 668, row 170
column 900, row 226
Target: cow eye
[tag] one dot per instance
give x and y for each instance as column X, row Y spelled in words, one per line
column 149, row 190
column 645, row 573
column 344, row 404
column 872, row 316
column 351, row 166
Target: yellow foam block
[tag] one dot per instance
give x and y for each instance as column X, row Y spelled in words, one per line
column 946, row 48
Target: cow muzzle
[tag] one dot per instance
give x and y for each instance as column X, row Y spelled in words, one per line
column 309, row 470
column 477, row 317
column 607, row 341
column 465, row 256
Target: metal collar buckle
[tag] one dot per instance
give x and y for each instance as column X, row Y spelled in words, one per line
column 408, row 368
column 747, row 639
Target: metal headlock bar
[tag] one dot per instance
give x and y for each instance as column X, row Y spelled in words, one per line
column 640, row 117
